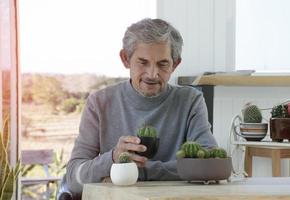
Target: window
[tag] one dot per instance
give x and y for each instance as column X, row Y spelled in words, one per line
column 262, row 35
column 67, row 49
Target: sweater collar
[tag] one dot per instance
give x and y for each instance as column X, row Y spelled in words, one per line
column 141, row 102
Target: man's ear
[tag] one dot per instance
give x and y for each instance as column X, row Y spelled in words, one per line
column 124, row 58
column 176, row 64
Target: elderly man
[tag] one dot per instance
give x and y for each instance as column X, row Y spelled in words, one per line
column 112, row 116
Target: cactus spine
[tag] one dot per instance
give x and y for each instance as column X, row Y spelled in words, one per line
column 8, row 175
column 252, row 114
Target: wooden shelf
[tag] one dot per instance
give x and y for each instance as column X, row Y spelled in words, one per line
column 235, row 80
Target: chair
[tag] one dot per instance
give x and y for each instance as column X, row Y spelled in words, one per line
column 44, row 158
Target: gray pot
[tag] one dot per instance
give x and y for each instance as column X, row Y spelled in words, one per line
column 212, row 169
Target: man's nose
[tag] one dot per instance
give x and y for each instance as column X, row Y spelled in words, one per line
column 153, row 71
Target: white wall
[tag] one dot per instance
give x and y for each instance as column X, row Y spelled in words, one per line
column 207, row 27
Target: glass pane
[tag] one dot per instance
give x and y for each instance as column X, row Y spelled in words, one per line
column 262, row 35
column 68, row 49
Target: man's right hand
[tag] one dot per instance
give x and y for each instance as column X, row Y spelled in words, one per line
column 130, row 144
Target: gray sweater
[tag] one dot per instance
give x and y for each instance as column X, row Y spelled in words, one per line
column 178, row 114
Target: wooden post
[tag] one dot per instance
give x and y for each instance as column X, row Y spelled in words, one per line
column 248, row 161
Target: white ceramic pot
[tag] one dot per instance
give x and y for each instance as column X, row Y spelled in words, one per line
column 124, row 173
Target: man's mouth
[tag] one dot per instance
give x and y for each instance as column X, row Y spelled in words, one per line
column 151, row 82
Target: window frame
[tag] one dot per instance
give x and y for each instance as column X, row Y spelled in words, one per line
column 9, row 45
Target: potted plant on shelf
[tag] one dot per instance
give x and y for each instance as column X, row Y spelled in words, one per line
column 280, row 122
column 251, row 126
column 8, row 174
column 125, row 172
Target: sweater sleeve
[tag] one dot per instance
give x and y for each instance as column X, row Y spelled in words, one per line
column 86, row 164
column 198, row 125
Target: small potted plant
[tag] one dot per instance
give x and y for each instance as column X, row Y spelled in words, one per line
column 251, row 126
column 280, row 122
column 125, row 172
column 148, row 137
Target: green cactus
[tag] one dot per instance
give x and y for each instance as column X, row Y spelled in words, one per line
column 8, row 174
column 124, row 157
column 180, row 154
column 218, row 153
column 252, row 114
column 280, row 111
column 147, row 131
column 203, row 153
column 190, row 149
column 200, row 154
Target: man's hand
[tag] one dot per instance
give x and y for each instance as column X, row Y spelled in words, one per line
column 130, row 144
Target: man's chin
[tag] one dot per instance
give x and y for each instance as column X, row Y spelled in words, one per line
column 149, row 90
column 150, row 93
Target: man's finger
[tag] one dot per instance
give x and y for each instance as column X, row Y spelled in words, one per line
column 134, row 147
column 137, row 158
column 130, row 139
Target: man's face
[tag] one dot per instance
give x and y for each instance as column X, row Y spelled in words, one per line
column 151, row 66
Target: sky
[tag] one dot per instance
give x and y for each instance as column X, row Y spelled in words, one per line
column 77, row 36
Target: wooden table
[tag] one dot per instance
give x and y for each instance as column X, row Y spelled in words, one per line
column 245, row 189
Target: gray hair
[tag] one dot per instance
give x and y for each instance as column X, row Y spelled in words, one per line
column 153, row 31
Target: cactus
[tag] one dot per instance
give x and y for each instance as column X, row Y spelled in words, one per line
column 280, row 111
column 180, row 154
column 124, row 157
column 218, row 153
column 203, row 153
column 147, row 131
column 252, row 114
column 190, row 149
column 8, row 174
column 200, row 154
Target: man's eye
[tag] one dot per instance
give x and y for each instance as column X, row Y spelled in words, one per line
column 142, row 62
column 163, row 65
